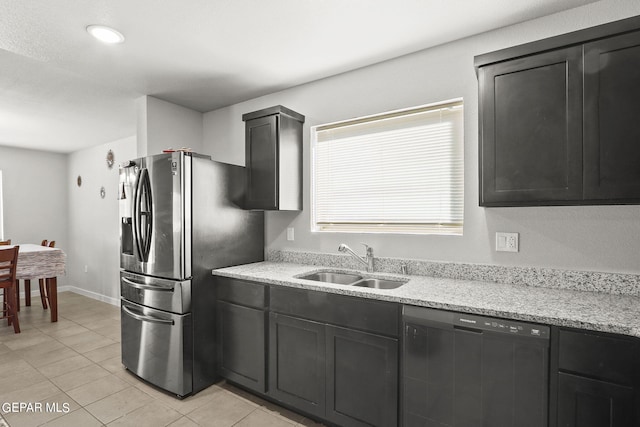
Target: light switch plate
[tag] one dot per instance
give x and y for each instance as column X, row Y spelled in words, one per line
column 507, row 242
column 290, row 233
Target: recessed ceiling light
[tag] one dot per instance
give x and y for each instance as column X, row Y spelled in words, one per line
column 105, row 34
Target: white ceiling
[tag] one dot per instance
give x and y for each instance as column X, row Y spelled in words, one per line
column 61, row 90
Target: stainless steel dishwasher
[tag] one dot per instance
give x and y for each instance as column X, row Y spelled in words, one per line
column 463, row 370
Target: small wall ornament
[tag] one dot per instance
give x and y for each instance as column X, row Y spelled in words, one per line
column 110, row 159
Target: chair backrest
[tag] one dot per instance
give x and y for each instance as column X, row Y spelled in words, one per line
column 43, row 243
column 52, row 244
column 5, row 242
column 8, row 266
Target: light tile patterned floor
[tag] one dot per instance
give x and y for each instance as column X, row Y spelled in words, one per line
column 70, row 374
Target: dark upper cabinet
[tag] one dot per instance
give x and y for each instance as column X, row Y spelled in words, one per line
column 273, row 155
column 611, row 121
column 558, row 121
column 531, row 140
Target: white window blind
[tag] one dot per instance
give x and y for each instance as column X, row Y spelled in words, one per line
column 398, row 172
column 1, row 211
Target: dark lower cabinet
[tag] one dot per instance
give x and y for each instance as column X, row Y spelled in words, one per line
column 334, row 356
column 241, row 345
column 241, row 332
column 297, row 363
column 597, row 379
column 362, row 378
column 345, row 376
column 585, row 402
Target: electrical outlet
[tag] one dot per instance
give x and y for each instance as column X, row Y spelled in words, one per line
column 507, row 242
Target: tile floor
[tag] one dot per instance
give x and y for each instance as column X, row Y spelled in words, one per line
column 69, row 374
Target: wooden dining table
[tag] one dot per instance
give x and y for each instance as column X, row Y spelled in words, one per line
column 41, row 262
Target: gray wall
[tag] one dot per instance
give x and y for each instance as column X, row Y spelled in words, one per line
column 162, row 125
column 601, row 238
column 35, row 196
column 93, row 221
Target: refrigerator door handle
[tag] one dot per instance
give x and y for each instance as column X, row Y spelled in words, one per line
column 136, row 208
column 142, row 215
column 144, row 318
column 148, row 287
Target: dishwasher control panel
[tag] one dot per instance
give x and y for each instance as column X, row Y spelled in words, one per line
column 475, row 323
column 502, row 325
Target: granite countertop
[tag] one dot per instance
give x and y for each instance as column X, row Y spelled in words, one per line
column 579, row 309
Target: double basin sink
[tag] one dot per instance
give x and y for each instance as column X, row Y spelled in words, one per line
column 352, row 279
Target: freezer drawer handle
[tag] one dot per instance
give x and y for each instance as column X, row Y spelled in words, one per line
column 146, row 287
column 146, row 318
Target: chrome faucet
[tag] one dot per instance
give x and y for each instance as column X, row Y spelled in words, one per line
column 367, row 260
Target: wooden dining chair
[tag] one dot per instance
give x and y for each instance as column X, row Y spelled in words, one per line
column 6, row 243
column 8, row 267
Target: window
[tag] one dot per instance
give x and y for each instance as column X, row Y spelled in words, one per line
column 396, row 172
column 1, row 214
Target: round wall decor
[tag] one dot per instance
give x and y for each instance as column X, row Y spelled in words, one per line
column 110, row 159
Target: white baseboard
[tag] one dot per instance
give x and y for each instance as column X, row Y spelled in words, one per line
column 93, row 295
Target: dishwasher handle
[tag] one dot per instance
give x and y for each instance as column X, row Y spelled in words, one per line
column 468, row 329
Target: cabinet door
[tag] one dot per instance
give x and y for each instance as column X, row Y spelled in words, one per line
column 241, row 345
column 297, row 363
column 611, row 124
column 261, row 161
column 585, row 402
column 531, row 130
column 362, row 378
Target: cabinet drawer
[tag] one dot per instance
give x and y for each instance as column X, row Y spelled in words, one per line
column 601, row 356
column 241, row 292
column 352, row 312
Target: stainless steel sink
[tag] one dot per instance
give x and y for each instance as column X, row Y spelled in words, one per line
column 353, row 279
column 379, row 283
column 332, row 277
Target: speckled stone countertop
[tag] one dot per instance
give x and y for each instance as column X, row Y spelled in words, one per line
column 579, row 309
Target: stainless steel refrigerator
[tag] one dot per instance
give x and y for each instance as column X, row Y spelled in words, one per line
column 180, row 217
